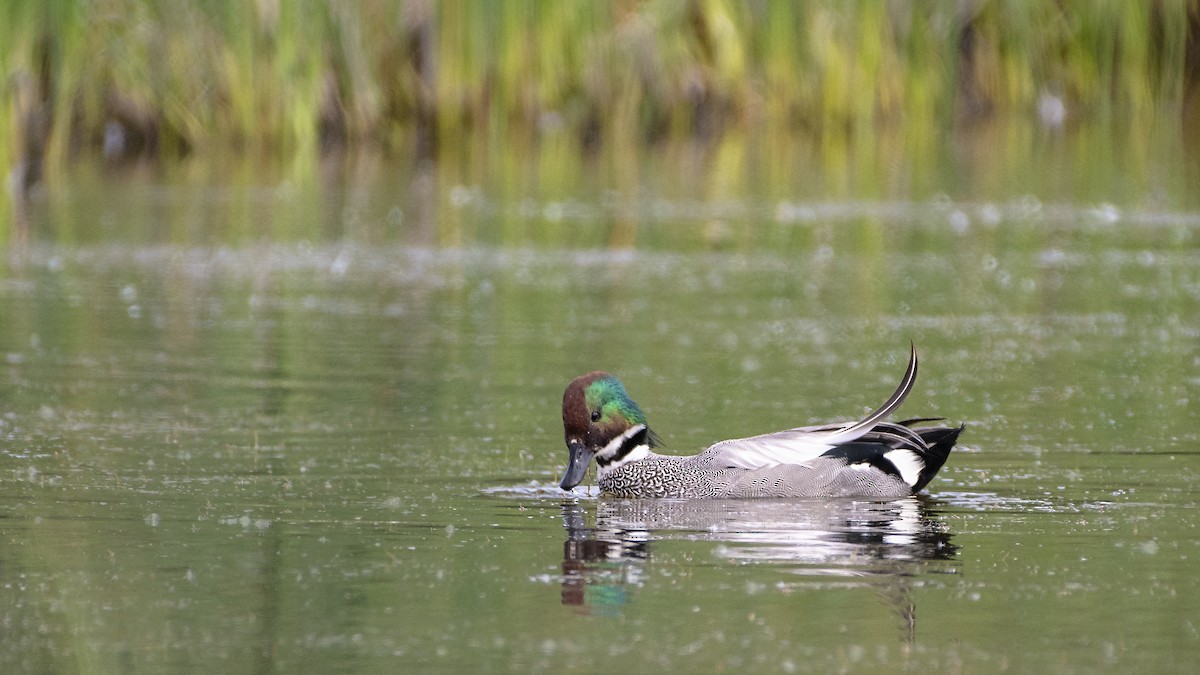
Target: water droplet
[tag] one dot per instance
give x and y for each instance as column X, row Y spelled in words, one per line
column 959, row 221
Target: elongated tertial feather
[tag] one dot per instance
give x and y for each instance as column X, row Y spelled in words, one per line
column 864, row 425
column 802, row 444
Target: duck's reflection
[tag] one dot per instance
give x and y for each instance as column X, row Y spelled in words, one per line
column 889, row 541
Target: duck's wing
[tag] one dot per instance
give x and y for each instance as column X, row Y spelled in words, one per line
column 802, row 444
column 794, row 446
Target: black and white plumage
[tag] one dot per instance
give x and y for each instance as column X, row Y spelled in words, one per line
column 867, row 458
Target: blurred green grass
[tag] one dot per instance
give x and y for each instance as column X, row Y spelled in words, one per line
column 292, row 78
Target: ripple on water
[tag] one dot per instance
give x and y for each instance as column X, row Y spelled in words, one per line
column 996, row 503
column 538, row 490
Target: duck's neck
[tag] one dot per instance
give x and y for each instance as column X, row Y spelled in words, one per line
column 636, row 454
column 630, row 446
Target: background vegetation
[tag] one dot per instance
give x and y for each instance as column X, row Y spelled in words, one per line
column 142, row 76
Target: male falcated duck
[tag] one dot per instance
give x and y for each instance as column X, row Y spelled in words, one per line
column 868, row 458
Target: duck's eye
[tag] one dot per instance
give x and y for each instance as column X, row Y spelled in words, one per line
column 596, row 415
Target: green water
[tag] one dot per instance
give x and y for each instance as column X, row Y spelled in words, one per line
column 253, row 419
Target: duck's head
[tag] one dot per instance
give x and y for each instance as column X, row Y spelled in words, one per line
column 601, row 421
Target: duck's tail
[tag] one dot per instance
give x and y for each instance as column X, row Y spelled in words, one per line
column 912, row 455
column 938, row 441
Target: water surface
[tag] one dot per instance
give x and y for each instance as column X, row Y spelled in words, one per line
column 327, row 438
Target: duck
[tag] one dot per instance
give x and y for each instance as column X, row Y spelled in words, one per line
column 868, row 458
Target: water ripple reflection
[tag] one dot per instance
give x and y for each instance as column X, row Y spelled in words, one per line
column 857, row 541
